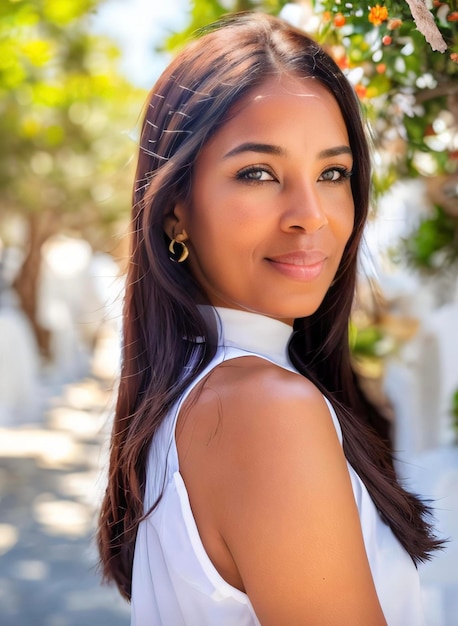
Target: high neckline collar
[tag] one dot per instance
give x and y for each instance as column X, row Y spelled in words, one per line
column 254, row 333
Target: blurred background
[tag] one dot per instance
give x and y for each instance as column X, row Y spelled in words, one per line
column 73, row 79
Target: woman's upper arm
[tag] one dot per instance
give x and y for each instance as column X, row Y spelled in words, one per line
column 287, row 511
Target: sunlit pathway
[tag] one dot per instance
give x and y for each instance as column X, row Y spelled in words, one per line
column 49, row 489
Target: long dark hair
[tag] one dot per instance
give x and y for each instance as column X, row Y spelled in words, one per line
column 190, row 101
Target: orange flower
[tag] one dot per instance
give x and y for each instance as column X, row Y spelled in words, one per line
column 339, row 55
column 454, row 57
column 377, row 15
column 360, row 90
column 453, row 17
column 394, row 23
column 339, row 20
column 342, row 62
column 326, row 16
column 387, row 40
column 380, row 68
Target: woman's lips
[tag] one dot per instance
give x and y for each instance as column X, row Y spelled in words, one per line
column 300, row 265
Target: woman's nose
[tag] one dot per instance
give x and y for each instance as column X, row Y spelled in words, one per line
column 304, row 209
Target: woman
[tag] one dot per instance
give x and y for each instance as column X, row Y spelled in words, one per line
column 231, row 498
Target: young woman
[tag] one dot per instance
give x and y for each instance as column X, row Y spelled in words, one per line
column 250, row 480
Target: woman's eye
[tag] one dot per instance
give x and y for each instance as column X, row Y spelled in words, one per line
column 335, row 174
column 256, row 174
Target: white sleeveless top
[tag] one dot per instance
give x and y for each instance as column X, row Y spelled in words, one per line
column 174, row 582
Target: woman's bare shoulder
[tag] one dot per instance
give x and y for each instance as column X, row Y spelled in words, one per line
column 270, row 464
column 252, row 374
column 251, row 393
column 249, row 400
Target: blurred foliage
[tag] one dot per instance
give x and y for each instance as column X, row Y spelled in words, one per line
column 409, row 90
column 64, row 112
column 367, row 341
column 433, row 245
column 454, row 411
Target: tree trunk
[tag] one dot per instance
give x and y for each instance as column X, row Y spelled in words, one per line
column 41, row 227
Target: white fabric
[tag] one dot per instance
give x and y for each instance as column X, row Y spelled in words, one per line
column 175, row 583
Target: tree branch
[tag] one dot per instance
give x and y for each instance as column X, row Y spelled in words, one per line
column 426, row 25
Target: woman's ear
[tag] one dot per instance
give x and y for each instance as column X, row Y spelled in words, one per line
column 174, row 222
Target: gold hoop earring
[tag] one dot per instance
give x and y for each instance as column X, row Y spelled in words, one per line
column 179, row 239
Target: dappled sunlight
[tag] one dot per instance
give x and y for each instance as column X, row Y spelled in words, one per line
column 28, row 569
column 62, row 517
column 51, row 481
column 106, row 357
column 50, row 447
column 86, row 394
column 79, row 423
column 80, row 485
column 8, row 537
column 68, row 259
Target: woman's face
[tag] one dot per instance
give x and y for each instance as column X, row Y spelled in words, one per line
column 272, row 207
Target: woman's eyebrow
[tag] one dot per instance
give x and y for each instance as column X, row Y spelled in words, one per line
column 331, row 152
column 267, row 148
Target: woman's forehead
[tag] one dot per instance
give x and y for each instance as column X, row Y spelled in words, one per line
column 283, row 86
column 282, row 103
